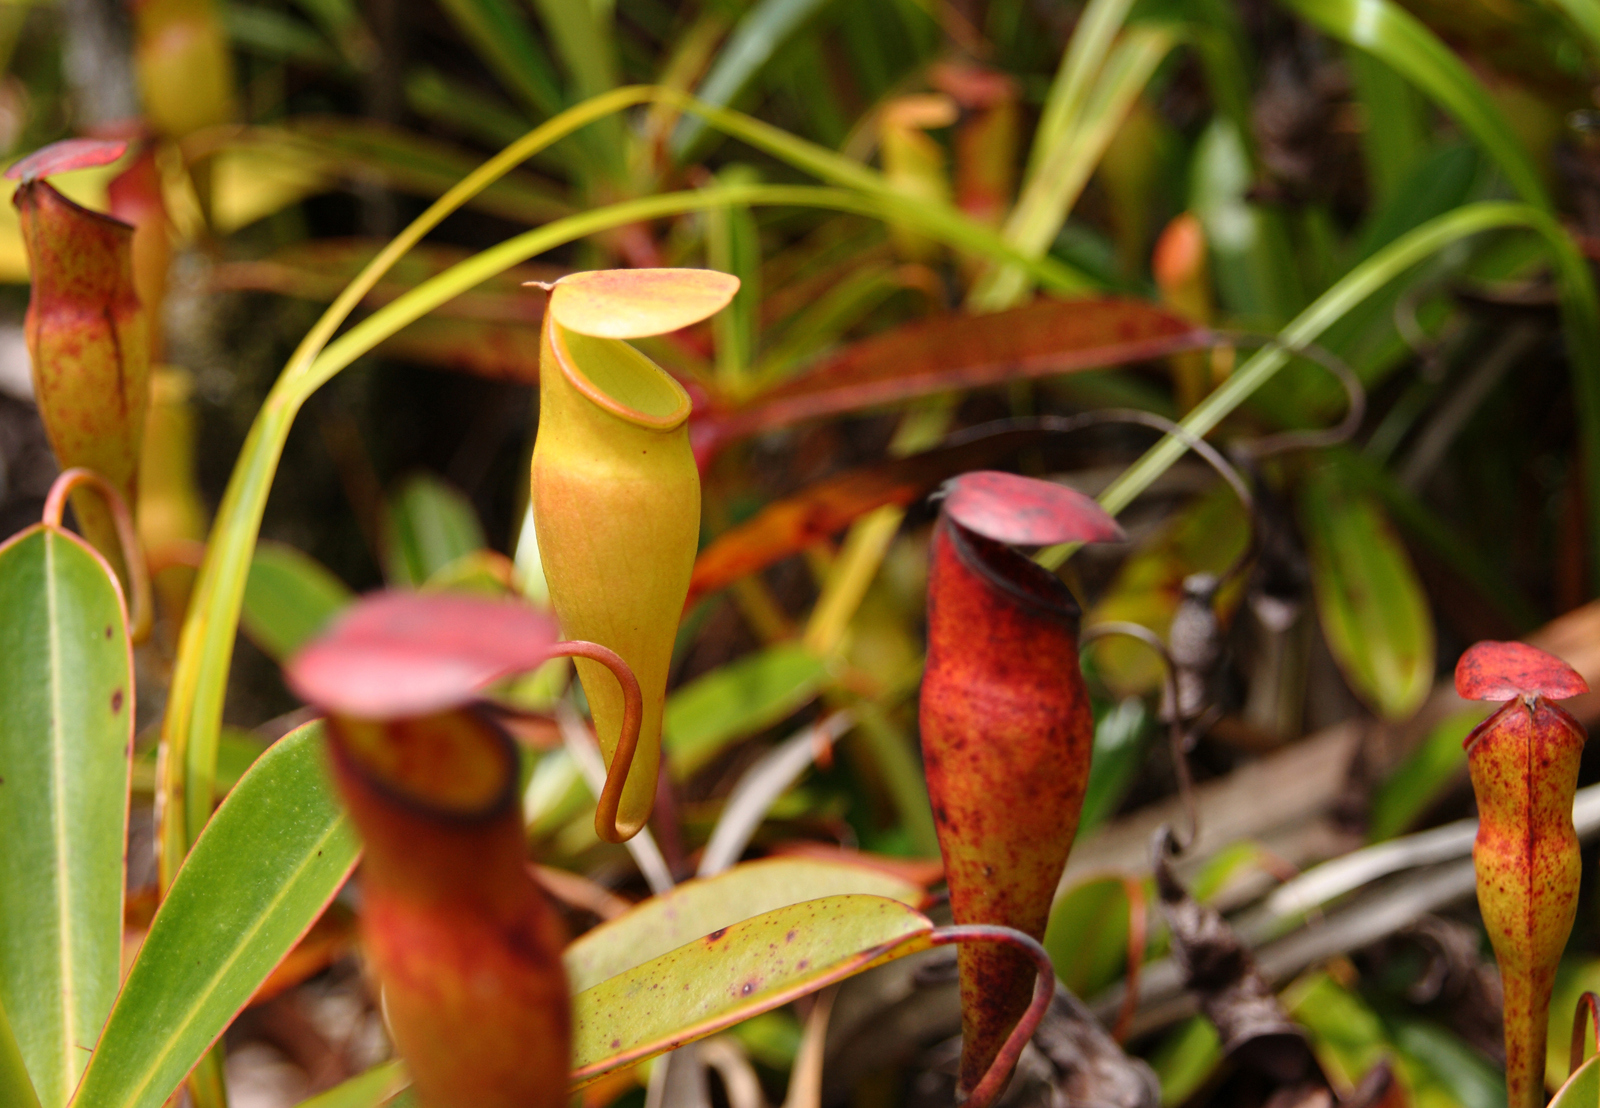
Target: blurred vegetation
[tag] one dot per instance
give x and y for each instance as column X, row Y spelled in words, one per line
column 1366, row 215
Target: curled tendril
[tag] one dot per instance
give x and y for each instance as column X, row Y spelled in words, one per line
column 994, row 1080
column 605, row 813
column 1588, row 1005
column 1071, row 424
column 55, row 506
column 1355, row 392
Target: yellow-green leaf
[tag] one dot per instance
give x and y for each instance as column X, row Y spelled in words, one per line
column 1374, row 612
column 734, row 973
column 696, row 908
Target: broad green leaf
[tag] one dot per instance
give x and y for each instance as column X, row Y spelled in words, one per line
column 1347, row 1036
column 268, row 863
column 1583, row 1087
column 15, row 1086
column 288, row 598
column 1412, row 786
column 706, row 715
column 734, row 973
column 1087, row 936
column 376, row 1086
column 1374, row 613
column 1398, row 39
column 699, row 907
column 66, row 733
column 429, row 525
column 1119, row 746
column 1456, row 1070
column 1396, row 134
column 1186, row 1059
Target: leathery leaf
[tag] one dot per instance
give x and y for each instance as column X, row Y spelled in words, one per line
column 734, row 973
column 66, row 730
column 260, row 875
column 1374, row 612
column 695, row 908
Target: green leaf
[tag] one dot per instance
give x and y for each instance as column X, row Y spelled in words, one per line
column 1087, row 936
column 15, row 1087
column 699, row 907
column 1374, row 613
column 66, row 733
column 260, row 875
column 429, row 525
column 288, row 598
column 761, row 31
column 734, row 973
column 703, row 717
column 1396, row 131
column 1416, row 783
column 1255, row 272
column 1119, row 746
column 1400, row 40
column 1186, row 1059
column 377, row 1086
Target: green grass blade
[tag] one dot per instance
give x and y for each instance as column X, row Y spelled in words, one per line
column 1395, row 138
column 1064, row 165
column 1399, row 39
column 1581, row 323
column 760, row 32
column 66, row 731
column 1091, row 42
column 270, row 860
column 15, row 1086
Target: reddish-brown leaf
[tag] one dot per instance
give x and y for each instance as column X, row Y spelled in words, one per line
column 405, row 654
column 1025, row 511
column 64, row 156
column 1507, row 670
column 828, row 507
column 949, row 352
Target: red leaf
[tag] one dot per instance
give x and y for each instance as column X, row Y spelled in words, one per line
column 962, row 352
column 406, row 654
column 1024, row 511
column 1507, row 670
column 69, row 154
column 821, row 510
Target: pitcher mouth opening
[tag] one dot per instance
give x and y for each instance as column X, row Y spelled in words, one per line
column 619, row 379
column 1027, row 582
column 484, row 800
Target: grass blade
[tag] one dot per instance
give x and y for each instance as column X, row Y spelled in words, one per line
column 1400, row 40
